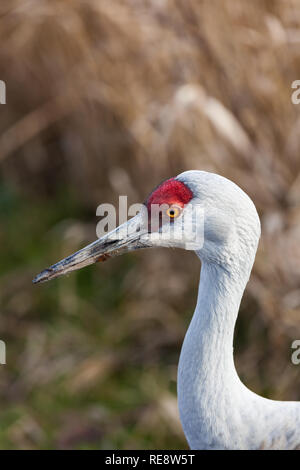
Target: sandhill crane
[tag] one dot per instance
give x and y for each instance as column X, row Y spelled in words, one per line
column 217, row 410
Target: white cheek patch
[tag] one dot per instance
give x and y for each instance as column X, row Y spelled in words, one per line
column 186, row 231
column 219, row 227
column 192, row 227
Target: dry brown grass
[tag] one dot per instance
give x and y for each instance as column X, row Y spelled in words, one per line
column 109, row 97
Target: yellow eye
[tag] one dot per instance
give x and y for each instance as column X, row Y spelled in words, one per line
column 173, row 212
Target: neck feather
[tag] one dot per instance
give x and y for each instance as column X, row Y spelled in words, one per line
column 207, row 379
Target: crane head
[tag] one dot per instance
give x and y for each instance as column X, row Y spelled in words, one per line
column 196, row 211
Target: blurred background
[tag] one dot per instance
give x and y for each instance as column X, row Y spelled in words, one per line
column 107, row 98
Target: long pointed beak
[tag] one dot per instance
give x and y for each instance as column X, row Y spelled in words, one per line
column 126, row 237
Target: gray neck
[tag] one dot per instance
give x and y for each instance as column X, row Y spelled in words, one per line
column 208, row 385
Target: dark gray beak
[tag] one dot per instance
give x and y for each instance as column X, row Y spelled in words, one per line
column 129, row 236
